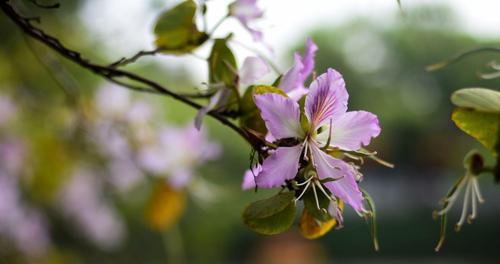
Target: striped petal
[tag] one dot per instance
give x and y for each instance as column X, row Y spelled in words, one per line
column 327, row 98
column 352, row 130
column 345, row 187
column 281, row 165
column 281, row 115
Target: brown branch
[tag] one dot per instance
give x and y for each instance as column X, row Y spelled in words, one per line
column 124, row 61
column 52, row 6
column 108, row 72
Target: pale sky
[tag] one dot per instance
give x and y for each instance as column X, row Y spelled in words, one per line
column 125, row 26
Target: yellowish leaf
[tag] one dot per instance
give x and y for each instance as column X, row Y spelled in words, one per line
column 480, row 125
column 165, row 207
column 312, row 228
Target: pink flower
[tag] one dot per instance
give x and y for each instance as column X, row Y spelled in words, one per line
column 328, row 125
column 293, row 80
column 246, row 11
column 8, row 109
column 82, row 201
column 25, row 227
column 253, row 69
column 176, row 153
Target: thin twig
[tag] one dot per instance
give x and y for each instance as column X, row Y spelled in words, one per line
column 459, row 56
column 107, row 72
column 124, row 61
column 52, row 6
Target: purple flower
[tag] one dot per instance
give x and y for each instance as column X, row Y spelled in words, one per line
column 7, row 109
column 329, row 125
column 22, row 225
column 253, row 69
column 246, row 11
column 82, row 200
column 293, row 80
column 12, row 155
column 176, row 153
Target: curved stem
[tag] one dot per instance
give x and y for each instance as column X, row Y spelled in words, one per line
column 110, row 73
column 174, row 248
column 212, row 31
column 459, row 56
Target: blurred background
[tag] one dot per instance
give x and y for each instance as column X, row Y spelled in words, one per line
column 75, row 166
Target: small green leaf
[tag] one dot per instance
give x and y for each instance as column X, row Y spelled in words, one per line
column 480, row 99
column 480, row 125
column 372, row 217
column 271, row 216
column 222, row 64
column 176, row 30
column 277, row 82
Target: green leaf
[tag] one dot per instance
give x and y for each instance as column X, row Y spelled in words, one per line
column 176, row 30
column 277, row 82
column 480, row 125
column 309, row 199
column 222, row 64
column 373, row 218
column 480, row 99
column 271, row 216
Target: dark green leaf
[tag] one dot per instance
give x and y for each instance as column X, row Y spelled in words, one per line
column 176, row 30
column 222, row 64
column 271, row 216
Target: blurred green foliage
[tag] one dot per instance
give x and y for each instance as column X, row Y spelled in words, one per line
column 383, row 66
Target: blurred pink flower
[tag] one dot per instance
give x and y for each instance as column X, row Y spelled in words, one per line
column 8, row 109
column 12, row 155
column 112, row 101
column 247, row 11
column 176, row 153
column 253, row 69
column 25, row 227
column 82, row 201
column 124, row 174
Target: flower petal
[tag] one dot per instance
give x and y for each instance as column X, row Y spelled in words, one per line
column 352, row 130
column 180, row 177
column 249, row 177
column 292, row 79
column 281, row 165
column 246, row 11
column 308, row 58
column 296, row 94
column 281, row 115
column 327, row 98
column 217, row 99
column 253, row 68
column 346, row 187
